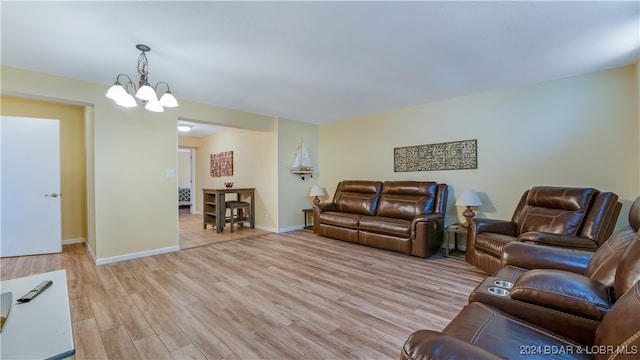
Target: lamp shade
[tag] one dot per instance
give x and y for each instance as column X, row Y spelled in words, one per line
column 316, row 190
column 468, row 198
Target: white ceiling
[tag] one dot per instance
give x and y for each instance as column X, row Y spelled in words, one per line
column 199, row 129
column 322, row 61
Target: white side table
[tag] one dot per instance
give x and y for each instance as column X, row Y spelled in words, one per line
column 41, row 328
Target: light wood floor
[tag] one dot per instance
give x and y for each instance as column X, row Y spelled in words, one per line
column 275, row 296
column 193, row 234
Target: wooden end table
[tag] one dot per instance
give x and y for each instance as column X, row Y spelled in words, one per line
column 453, row 230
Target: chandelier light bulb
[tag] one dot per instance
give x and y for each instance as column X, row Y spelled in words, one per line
column 168, row 100
column 146, row 92
column 154, row 105
column 124, row 95
column 127, row 101
column 116, row 92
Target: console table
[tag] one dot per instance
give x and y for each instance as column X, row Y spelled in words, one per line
column 41, row 328
column 214, row 209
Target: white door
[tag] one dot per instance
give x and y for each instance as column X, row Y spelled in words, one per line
column 30, row 215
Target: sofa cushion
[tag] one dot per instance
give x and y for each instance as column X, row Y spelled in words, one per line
column 406, row 199
column 564, row 291
column 385, row 225
column 358, row 197
column 506, row 335
column 554, row 209
column 340, row 219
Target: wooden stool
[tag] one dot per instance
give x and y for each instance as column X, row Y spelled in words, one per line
column 240, row 212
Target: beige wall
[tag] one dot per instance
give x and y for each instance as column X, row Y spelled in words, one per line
column 261, row 160
column 579, row 131
column 131, row 201
column 72, row 156
column 292, row 189
column 254, row 161
column 637, row 99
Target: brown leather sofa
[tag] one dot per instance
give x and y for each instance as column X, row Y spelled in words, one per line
column 400, row 216
column 579, row 218
column 481, row 331
column 564, row 290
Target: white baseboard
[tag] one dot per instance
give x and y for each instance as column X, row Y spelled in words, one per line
column 90, row 251
column 291, row 228
column 136, row 255
column 265, row 228
column 73, row 241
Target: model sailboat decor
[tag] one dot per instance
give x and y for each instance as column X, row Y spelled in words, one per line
column 301, row 165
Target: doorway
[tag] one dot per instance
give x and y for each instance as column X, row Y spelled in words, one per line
column 186, row 181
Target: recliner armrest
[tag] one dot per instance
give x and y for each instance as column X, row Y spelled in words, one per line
column 319, row 208
column 564, row 291
column 561, row 240
column 429, row 344
column 494, row 226
column 531, row 256
column 430, row 217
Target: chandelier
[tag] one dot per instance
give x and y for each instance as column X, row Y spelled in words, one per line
column 147, row 95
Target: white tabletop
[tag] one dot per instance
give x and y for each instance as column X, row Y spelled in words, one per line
column 41, row 328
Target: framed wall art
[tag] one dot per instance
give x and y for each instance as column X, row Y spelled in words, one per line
column 222, row 164
column 454, row 155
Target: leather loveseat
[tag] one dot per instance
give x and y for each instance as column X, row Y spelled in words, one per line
column 579, row 218
column 400, row 216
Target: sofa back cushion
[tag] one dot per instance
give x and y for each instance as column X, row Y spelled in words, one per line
column 556, row 210
column 358, row 196
column 628, row 271
column 406, row 199
column 603, row 265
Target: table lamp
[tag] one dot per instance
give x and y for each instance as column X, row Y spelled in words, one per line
column 468, row 198
column 316, row 191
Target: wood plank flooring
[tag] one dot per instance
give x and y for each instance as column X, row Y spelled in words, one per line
column 192, row 233
column 269, row 296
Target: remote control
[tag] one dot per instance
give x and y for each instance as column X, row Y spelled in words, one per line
column 35, row 292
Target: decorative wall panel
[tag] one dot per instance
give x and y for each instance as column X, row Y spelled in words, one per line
column 454, row 155
column 222, row 164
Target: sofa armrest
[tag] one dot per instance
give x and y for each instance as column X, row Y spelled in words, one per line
column 561, row 240
column 425, row 218
column 493, row 226
column 427, row 234
column 564, row 291
column 531, row 256
column 321, row 207
column 428, row 344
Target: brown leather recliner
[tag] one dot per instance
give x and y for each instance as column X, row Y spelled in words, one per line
column 580, row 218
column 565, row 290
column 481, row 331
